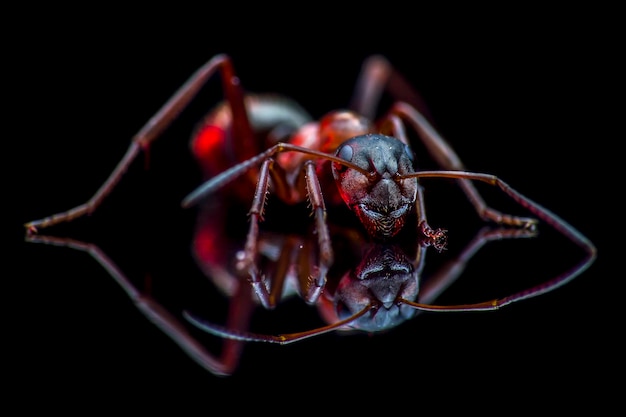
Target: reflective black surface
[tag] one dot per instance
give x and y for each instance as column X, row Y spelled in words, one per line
column 506, row 111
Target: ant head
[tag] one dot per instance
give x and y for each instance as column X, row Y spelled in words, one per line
column 383, row 198
column 384, row 276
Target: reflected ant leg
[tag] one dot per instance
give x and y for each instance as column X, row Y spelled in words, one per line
column 540, row 212
column 240, row 311
column 155, row 127
column 448, row 273
column 296, row 255
column 447, row 158
column 270, row 292
column 326, row 255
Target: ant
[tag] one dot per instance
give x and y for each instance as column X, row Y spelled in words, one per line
column 346, row 159
column 273, row 143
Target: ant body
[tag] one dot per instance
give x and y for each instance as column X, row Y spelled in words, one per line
column 266, row 136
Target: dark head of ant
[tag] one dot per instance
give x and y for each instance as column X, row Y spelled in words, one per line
column 384, row 276
column 383, row 199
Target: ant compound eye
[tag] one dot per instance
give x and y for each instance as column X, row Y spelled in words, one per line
column 409, row 152
column 345, row 152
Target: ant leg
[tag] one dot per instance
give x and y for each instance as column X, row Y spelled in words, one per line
column 543, row 214
column 378, row 75
column 446, row 157
column 430, row 237
column 326, row 255
column 270, row 297
column 497, row 303
column 240, row 310
column 155, row 127
column 306, row 261
column 294, row 253
column 308, row 182
column 448, row 274
column 247, row 258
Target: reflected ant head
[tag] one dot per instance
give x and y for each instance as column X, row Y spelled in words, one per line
column 384, row 276
column 383, row 198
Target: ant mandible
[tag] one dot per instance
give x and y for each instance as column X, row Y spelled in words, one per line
column 273, row 141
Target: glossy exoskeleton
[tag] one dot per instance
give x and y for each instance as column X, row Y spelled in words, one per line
column 272, row 141
column 348, row 157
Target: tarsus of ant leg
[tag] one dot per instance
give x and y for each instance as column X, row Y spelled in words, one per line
column 153, row 128
column 314, row 194
column 282, row 339
column 542, row 213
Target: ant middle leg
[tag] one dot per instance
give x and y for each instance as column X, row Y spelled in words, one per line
column 306, row 186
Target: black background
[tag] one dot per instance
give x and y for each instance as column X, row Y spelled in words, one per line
column 527, row 101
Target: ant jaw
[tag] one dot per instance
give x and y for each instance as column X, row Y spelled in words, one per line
column 382, row 225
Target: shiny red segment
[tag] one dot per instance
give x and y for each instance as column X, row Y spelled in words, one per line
column 208, row 139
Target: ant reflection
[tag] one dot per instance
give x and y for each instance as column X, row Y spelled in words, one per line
column 382, row 290
column 378, row 291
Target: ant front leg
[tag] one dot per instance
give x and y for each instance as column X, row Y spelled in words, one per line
column 430, row 237
column 447, row 158
column 326, row 255
column 155, row 127
column 307, row 182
